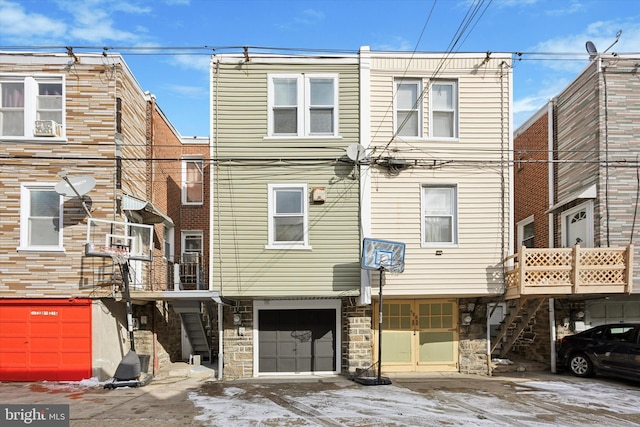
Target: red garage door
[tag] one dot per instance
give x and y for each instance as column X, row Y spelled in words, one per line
column 45, row 340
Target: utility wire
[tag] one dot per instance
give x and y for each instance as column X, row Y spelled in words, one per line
column 471, row 13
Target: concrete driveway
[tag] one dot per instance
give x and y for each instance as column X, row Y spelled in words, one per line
column 515, row 399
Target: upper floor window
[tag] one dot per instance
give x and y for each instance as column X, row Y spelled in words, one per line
column 303, row 105
column 439, row 212
column 192, row 246
column 31, row 106
column 40, row 218
column 288, row 220
column 444, row 109
column 408, row 107
column 526, row 232
column 167, row 242
column 192, row 181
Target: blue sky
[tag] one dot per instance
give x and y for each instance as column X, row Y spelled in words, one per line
column 551, row 34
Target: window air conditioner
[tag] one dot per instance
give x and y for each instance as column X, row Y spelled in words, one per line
column 47, row 128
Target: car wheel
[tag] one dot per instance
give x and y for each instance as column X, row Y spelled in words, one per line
column 580, row 365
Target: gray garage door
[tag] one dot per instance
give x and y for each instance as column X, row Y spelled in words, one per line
column 297, row 340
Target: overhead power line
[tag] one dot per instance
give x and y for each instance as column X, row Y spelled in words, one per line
column 519, row 55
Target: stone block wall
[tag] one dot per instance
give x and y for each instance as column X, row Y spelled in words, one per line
column 472, row 349
column 238, row 349
column 356, row 336
column 164, row 327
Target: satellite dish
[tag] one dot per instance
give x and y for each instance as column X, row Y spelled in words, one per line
column 355, row 152
column 78, row 186
column 591, row 50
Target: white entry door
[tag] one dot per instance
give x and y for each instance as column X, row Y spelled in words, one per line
column 577, row 225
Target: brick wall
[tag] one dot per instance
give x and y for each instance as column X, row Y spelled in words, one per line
column 531, row 179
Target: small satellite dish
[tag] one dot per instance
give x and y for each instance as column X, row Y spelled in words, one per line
column 591, row 50
column 78, row 186
column 355, row 152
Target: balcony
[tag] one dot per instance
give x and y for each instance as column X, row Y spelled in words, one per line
column 569, row 271
column 162, row 275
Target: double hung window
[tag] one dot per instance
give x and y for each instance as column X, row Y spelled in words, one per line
column 40, row 218
column 526, row 233
column 439, row 212
column 191, row 246
column 288, row 221
column 408, row 107
column 167, row 242
column 31, row 106
column 303, row 105
column 192, row 181
column 444, row 109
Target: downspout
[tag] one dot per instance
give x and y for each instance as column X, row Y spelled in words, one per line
column 214, row 192
column 550, row 219
column 364, row 172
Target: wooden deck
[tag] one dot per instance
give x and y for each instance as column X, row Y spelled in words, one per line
column 569, row 271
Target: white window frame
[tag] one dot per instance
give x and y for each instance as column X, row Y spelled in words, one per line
column 183, row 238
column 453, row 215
column 521, row 225
column 455, row 110
column 30, row 108
column 25, row 214
column 417, row 107
column 168, row 242
column 272, row 243
column 303, row 87
column 185, row 183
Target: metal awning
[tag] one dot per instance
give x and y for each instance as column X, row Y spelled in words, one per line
column 150, row 214
column 582, row 194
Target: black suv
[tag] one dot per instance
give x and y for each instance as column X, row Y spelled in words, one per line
column 612, row 349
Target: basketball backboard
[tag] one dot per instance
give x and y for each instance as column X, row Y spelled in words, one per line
column 378, row 254
column 106, row 238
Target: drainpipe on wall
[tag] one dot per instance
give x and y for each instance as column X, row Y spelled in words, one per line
column 488, row 342
column 220, row 347
column 552, row 329
column 214, row 207
column 550, row 220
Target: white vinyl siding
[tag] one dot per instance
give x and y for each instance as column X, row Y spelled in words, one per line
column 41, row 218
column 473, row 265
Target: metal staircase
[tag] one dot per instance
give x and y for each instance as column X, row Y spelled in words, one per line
column 194, row 325
column 517, row 326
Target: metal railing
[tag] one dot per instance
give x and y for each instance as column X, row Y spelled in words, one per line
column 166, row 275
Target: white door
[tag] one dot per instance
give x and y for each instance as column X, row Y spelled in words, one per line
column 578, row 226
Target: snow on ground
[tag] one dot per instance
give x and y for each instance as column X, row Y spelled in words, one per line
column 534, row 403
column 620, row 399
